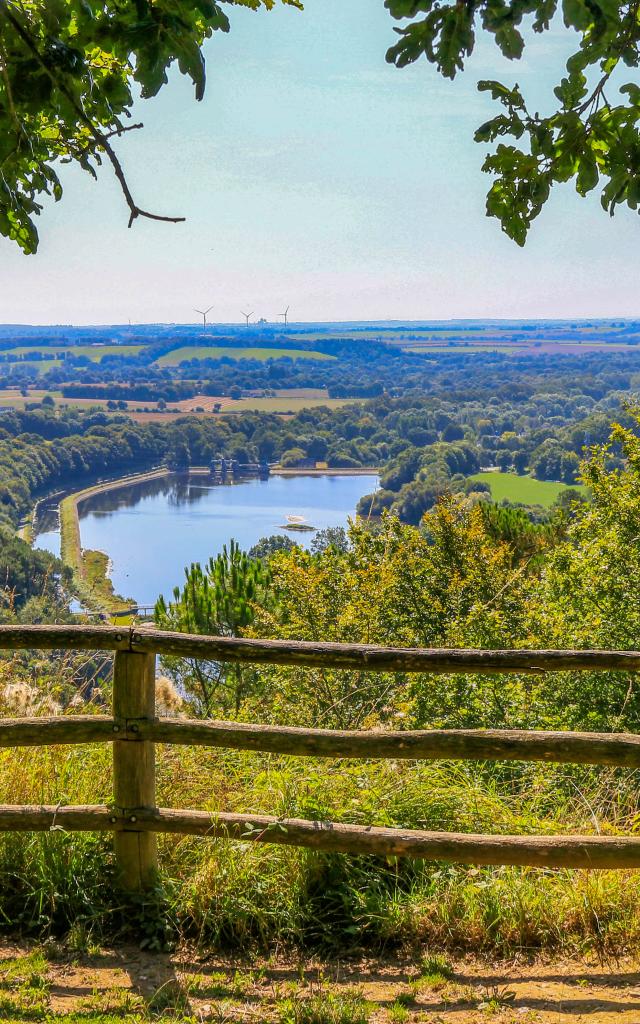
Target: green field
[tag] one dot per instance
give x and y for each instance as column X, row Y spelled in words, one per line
column 93, row 352
column 39, row 366
column 525, row 489
column 180, row 355
column 399, row 336
column 460, row 346
column 285, row 404
column 10, row 398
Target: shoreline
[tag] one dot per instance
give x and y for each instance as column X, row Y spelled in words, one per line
column 91, row 569
column 357, row 471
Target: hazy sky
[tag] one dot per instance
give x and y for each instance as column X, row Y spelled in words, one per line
column 316, row 175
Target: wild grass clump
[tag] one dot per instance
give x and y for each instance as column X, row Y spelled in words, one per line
column 244, row 896
column 324, row 1008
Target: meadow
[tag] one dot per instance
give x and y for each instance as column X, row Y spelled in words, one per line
column 200, row 405
column 283, row 404
column 183, row 354
column 426, row 348
column 93, row 352
column 37, row 366
column 249, row 897
column 523, row 489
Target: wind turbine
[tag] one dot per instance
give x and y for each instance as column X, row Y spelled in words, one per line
column 247, row 315
column 204, row 313
column 285, row 315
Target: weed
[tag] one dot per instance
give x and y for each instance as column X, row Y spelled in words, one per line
column 434, row 968
column 118, row 1001
column 495, row 999
column 221, row 985
column 324, row 1008
column 398, row 1012
column 406, row 998
column 170, row 1000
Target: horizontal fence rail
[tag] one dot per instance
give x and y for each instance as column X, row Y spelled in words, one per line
column 329, row 837
column 614, row 749
column 303, row 653
column 133, row 730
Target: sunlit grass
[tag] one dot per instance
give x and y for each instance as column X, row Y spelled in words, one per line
column 231, row 894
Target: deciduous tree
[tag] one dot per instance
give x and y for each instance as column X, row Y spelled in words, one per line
column 590, row 136
column 69, row 70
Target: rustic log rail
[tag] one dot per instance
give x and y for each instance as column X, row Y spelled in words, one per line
column 134, row 729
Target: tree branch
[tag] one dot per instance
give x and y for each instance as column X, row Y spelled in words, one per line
column 100, row 137
column 122, row 129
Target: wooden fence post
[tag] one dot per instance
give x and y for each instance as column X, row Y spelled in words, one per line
column 134, row 773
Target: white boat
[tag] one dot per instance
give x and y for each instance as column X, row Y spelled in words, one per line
column 297, row 520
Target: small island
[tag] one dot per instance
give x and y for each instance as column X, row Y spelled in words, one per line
column 298, row 524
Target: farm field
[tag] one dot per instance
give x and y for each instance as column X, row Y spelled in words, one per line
column 10, row 398
column 301, row 393
column 558, row 348
column 38, row 366
column 181, row 355
column 426, row 349
column 508, row 337
column 525, row 489
column 401, row 334
column 93, row 352
column 283, row 404
column 200, row 405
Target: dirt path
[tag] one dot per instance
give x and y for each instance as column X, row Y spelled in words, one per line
column 191, row 985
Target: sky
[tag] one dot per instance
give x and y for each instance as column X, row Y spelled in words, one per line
column 314, row 175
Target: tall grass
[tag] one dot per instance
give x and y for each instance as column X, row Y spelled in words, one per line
column 243, row 896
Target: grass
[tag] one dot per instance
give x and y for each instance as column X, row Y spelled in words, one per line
column 181, row 355
column 93, row 352
column 39, row 365
column 461, row 347
column 96, row 568
column 524, row 489
column 286, row 405
column 243, row 896
column 24, row 989
column 325, row 1008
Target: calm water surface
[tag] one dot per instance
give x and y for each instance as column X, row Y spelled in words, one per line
column 152, row 530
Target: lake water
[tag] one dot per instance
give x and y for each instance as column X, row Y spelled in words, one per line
column 153, row 529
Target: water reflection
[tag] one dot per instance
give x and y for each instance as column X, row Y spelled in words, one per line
column 153, row 529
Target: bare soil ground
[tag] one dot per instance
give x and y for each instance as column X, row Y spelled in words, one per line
column 191, row 985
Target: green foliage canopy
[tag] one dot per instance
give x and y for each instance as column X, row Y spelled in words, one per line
column 68, row 73
column 69, row 70
column 591, row 137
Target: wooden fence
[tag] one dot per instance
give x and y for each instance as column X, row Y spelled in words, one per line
column 134, row 729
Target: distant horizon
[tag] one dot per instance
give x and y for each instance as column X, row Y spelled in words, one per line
column 237, row 324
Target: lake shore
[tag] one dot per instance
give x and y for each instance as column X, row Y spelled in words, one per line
column 90, row 568
column 89, row 552
column 357, row 471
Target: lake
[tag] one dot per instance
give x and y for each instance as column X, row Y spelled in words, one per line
column 152, row 529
